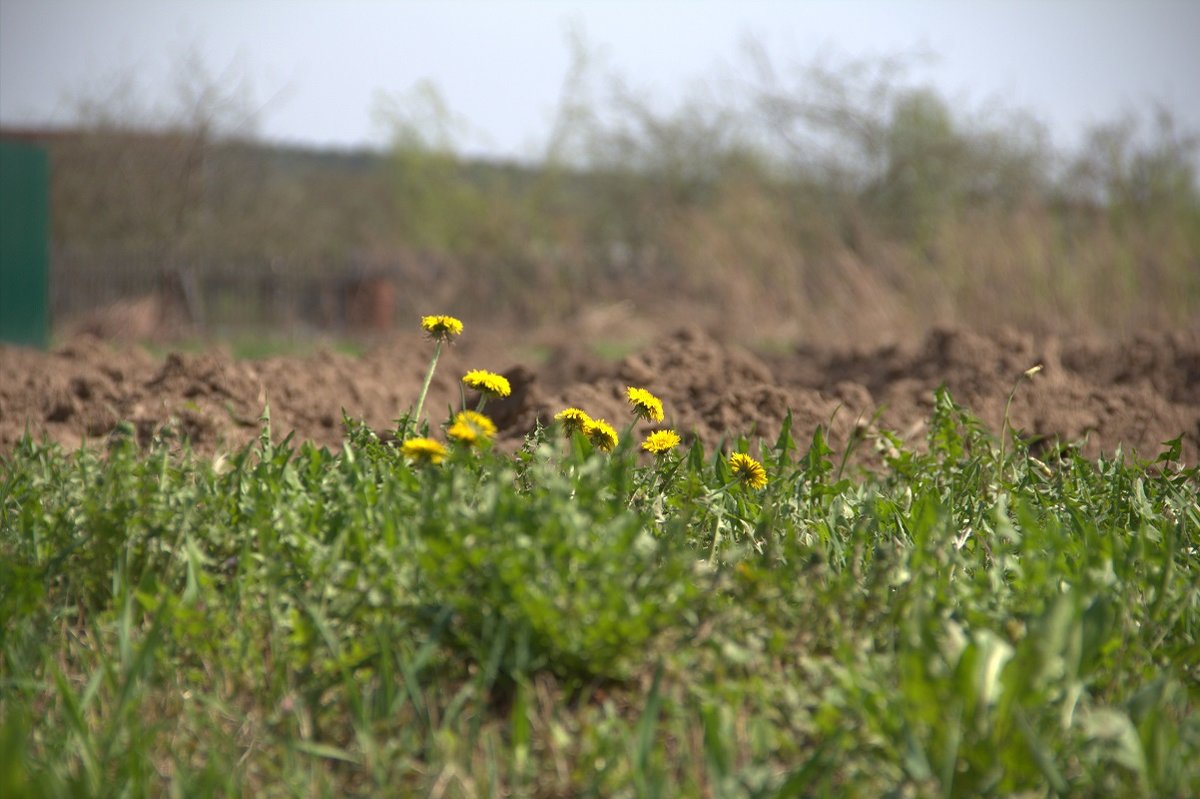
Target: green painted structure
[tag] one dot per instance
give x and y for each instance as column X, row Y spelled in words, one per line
column 24, row 244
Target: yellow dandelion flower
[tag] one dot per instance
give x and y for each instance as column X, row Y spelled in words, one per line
column 441, row 327
column 645, row 405
column 470, row 427
column 573, row 420
column 423, row 450
column 464, row 433
column 483, row 424
column 489, row 383
column 661, row 441
column 601, row 434
column 747, row 470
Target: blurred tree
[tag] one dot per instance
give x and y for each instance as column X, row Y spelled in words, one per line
column 435, row 208
column 925, row 171
column 1131, row 170
column 140, row 174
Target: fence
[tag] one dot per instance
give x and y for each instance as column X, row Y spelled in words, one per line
column 140, row 295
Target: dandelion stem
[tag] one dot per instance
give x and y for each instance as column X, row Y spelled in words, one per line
column 437, row 351
column 1006, row 429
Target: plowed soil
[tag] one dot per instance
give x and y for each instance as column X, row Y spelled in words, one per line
column 1134, row 394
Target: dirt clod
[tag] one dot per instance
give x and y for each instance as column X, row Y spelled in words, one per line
column 1135, row 394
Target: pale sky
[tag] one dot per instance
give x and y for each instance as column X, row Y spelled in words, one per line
column 318, row 68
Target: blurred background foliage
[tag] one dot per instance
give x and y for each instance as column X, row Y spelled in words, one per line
column 818, row 201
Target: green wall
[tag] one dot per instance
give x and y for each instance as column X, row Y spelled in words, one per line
column 24, row 244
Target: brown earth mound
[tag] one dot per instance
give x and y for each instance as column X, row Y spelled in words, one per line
column 1135, row 394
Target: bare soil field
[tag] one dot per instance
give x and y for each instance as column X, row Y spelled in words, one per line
column 1134, row 394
